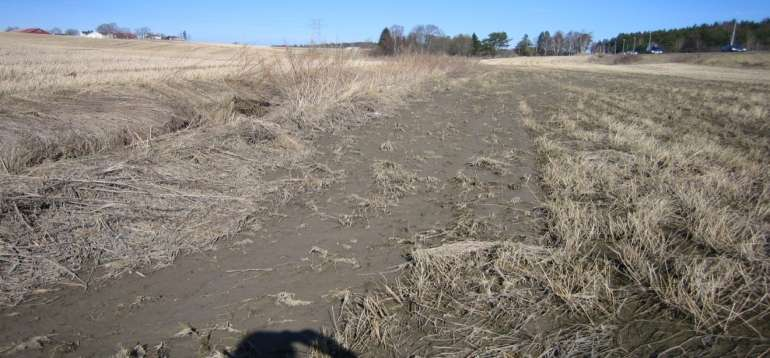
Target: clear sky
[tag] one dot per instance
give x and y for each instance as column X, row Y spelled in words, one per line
column 291, row 21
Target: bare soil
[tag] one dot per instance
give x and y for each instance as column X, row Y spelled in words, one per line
column 290, row 273
column 650, row 245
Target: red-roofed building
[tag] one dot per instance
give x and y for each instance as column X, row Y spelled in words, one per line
column 34, row 30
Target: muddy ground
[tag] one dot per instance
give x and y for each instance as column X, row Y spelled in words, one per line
column 285, row 278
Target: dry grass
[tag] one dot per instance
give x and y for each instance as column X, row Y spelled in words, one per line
column 711, row 68
column 393, row 180
column 66, row 97
column 45, row 63
column 107, row 207
column 657, row 235
column 124, row 92
column 496, row 166
column 757, row 60
column 387, row 146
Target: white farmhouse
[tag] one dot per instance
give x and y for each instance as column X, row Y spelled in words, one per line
column 93, row 35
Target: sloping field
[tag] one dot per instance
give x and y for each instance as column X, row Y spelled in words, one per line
column 170, row 163
column 53, row 63
column 706, row 68
column 67, row 97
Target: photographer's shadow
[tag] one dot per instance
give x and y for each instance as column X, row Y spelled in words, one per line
column 285, row 344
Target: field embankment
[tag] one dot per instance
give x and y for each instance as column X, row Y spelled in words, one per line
column 168, row 148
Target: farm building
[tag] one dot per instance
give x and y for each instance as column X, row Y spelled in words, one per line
column 122, row 35
column 93, row 35
column 34, row 30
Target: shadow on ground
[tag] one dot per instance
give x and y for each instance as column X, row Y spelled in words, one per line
column 289, row 344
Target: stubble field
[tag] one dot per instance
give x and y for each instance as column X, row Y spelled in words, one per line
column 655, row 225
column 524, row 207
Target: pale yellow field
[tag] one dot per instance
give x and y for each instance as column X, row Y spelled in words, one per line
column 644, row 67
column 59, row 86
column 34, row 62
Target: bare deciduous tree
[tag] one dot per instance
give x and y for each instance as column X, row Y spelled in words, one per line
column 557, row 41
column 111, row 28
column 432, row 32
column 142, row 32
column 423, row 35
column 397, row 32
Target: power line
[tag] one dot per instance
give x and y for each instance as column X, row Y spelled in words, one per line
column 316, row 25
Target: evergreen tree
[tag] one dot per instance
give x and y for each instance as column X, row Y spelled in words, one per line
column 475, row 45
column 524, row 47
column 386, row 45
column 542, row 43
column 706, row 37
column 494, row 42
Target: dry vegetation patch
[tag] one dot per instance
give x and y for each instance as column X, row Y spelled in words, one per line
column 759, row 59
column 656, row 237
column 712, row 66
column 79, row 208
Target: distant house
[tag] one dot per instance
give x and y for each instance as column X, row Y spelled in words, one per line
column 153, row 37
column 34, row 30
column 93, row 35
column 123, row 35
column 173, row 38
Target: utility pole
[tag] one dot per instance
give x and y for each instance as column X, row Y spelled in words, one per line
column 315, row 28
column 649, row 43
column 624, row 45
column 732, row 38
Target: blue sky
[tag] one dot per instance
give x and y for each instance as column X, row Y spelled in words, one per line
column 287, row 21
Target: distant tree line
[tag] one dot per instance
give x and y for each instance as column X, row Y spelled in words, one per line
column 431, row 39
column 142, row 32
column 360, row 44
column 706, row 37
column 110, row 29
column 560, row 43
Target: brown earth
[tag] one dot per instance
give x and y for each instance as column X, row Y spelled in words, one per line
column 403, row 184
column 456, row 165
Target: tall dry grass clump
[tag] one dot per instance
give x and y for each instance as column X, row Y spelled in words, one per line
column 320, row 88
column 317, row 89
column 97, row 213
column 656, row 235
